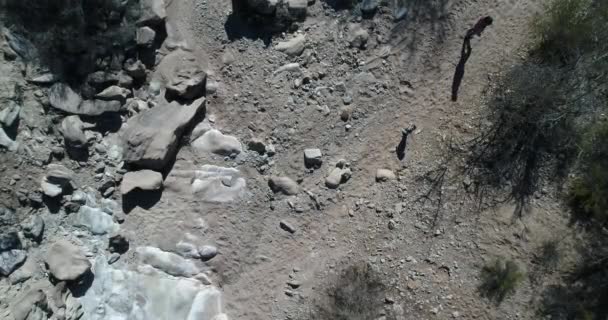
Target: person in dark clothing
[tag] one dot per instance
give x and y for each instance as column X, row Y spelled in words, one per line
column 465, row 53
column 403, row 143
column 479, row 27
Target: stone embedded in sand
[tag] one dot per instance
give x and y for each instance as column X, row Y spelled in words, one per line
column 72, row 129
column 215, row 142
column 66, row 262
column 294, row 46
column 358, row 36
column 167, row 262
column 313, row 158
column 383, row 175
column 284, row 185
column 151, row 138
column 146, row 180
column 337, row 176
column 207, row 252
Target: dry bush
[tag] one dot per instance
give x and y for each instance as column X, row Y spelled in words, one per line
column 500, row 279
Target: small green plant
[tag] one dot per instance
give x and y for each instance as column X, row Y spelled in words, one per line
column 357, row 294
column 569, row 28
column 500, row 279
column 588, row 194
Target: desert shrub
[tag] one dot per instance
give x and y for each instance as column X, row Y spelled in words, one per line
column 588, row 194
column 499, row 279
column 528, row 129
column 357, row 294
column 569, row 28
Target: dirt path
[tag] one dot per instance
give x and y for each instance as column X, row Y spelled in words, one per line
column 412, row 84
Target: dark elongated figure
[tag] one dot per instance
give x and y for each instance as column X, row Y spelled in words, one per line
column 459, row 73
column 403, row 143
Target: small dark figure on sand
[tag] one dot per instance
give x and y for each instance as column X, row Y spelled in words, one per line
column 479, row 27
column 465, row 53
column 403, row 143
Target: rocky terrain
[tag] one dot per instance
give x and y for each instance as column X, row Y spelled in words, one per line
column 227, row 160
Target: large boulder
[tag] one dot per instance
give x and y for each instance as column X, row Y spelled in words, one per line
column 151, row 138
column 66, row 262
column 213, row 141
column 146, row 180
column 159, row 296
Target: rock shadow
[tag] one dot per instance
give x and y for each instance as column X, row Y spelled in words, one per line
column 81, row 286
column 142, row 199
column 237, row 27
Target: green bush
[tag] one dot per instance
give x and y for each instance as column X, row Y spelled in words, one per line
column 569, row 28
column 500, row 279
column 588, row 194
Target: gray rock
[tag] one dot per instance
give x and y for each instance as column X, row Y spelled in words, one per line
column 284, row 185
column 383, row 175
column 358, row 36
column 167, row 262
column 9, row 114
column 113, row 290
column 30, row 305
column 6, row 142
column 98, row 107
column 214, row 141
column 287, row 226
column 62, row 97
column 146, row 180
column 297, row 8
column 200, row 130
column 135, row 69
column 9, row 241
column 11, row 260
column 294, row 46
column 57, row 180
column 313, row 158
column 207, row 252
column 147, row 146
column 95, row 220
column 256, row 145
column 187, row 83
column 152, row 12
column 22, row 46
column 72, row 129
column 114, row 93
column 145, row 36
column 43, row 79
column 337, row 176
column 66, row 262
column 34, row 227
column 369, row 7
